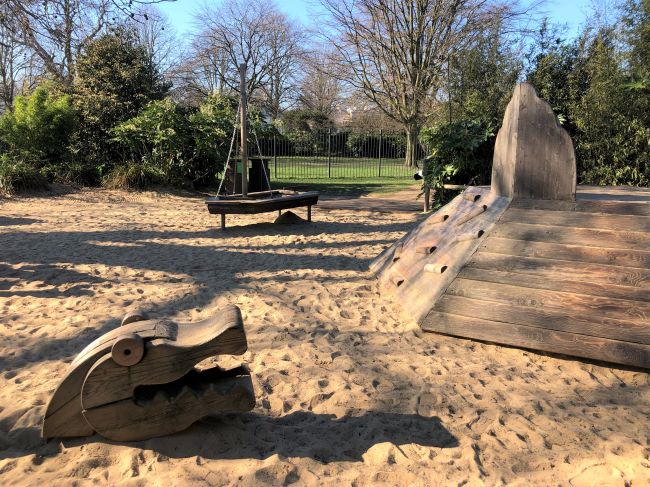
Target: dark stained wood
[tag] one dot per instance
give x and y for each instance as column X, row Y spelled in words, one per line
column 542, row 282
column 265, row 205
column 575, row 313
column 573, row 236
column 536, row 338
column 609, row 207
column 547, row 250
column 573, row 219
column 557, row 270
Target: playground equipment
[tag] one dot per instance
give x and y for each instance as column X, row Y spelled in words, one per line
column 260, row 201
column 524, row 263
column 139, row 381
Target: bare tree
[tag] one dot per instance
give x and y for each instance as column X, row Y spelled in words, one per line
column 395, row 51
column 320, row 89
column 201, row 72
column 153, row 30
column 286, row 41
column 56, row 30
column 254, row 32
column 18, row 67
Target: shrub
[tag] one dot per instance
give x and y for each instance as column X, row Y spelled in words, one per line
column 461, row 152
column 133, row 176
column 41, row 124
column 115, row 80
column 18, row 173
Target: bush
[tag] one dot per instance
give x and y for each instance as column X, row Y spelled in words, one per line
column 41, row 124
column 180, row 145
column 18, row 173
column 115, row 80
column 134, row 176
column 461, row 152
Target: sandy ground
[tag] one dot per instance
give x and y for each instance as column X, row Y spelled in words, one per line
column 348, row 391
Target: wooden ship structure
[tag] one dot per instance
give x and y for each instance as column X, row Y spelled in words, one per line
column 528, row 262
column 264, row 199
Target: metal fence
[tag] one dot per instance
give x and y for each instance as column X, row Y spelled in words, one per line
column 329, row 154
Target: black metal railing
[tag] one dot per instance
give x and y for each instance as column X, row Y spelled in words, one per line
column 331, row 154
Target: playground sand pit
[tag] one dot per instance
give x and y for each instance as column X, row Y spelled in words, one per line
column 349, row 392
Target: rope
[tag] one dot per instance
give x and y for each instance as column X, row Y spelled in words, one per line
column 259, row 151
column 232, row 141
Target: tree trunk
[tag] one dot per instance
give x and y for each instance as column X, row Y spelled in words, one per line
column 412, row 133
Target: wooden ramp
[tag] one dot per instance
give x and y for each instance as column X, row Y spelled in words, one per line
column 569, row 277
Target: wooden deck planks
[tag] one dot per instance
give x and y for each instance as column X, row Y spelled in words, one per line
column 558, row 276
column 609, row 207
column 547, row 250
column 567, row 319
column 574, row 219
column 573, row 236
column 541, row 282
column 556, row 270
column 539, row 339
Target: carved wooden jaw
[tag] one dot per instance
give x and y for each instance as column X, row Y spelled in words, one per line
column 139, row 381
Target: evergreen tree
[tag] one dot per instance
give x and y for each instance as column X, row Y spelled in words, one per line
column 115, row 80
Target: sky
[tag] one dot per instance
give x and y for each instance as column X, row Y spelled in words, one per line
column 181, row 13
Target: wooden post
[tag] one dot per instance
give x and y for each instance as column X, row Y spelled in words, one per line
column 244, row 130
column 427, row 189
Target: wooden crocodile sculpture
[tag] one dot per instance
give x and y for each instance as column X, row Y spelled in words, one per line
column 139, row 381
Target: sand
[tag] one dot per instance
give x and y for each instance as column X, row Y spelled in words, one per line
column 349, row 392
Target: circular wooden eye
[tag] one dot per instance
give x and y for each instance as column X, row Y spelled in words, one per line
column 128, row 350
column 133, row 316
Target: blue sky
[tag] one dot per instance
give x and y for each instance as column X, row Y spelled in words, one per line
column 181, row 12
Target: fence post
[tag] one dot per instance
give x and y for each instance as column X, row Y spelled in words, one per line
column 275, row 159
column 381, row 142
column 329, row 153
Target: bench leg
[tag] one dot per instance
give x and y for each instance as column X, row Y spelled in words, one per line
column 308, row 213
column 223, row 221
column 279, row 212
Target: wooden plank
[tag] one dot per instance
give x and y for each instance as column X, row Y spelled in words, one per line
column 547, row 250
column 573, row 236
column 541, row 282
column 637, row 355
column 610, row 207
column 575, row 219
column 578, row 313
column 559, row 270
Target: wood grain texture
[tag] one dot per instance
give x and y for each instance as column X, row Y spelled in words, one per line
column 96, row 380
column 573, row 219
column 542, row 282
column 556, row 270
column 169, row 411
column 607, row 207
column 533, row 154
column 622, row 320
column 536, row 338
column 578, row 253
column 573, row 236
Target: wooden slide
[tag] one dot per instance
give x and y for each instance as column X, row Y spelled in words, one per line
column 537, row 268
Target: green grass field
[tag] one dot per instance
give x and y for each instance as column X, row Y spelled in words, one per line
column 348, row 176
column 345, row 167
